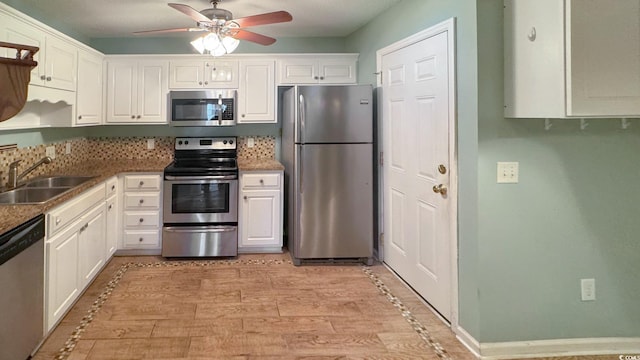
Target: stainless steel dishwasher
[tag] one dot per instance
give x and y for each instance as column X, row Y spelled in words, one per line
column 22, row 294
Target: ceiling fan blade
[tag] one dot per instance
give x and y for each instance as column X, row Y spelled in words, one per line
column 264, row 19
column 253, row 37
column 190, row 12
column 164, row 31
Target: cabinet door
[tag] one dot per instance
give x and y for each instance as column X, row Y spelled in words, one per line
column 91, row 244
column 122, row 90
column 61, row 64
column 221, row 74
column 603, row 58
column 89, row 93
column 18, row 32
column 62, row 280
column 298, row 71
column 260, row 219
column 256, row 92
column 186, row 74
column 152, row 92
column 337, row 71
column 112, row 226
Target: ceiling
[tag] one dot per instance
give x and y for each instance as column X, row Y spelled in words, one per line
column 120, row 18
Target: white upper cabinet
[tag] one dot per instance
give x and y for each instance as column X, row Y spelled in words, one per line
column 137, row 91
column 572, row 58
column 318, row 69
column 256, row 94
column 89, row 94
column 211, row 74
column 57, row 58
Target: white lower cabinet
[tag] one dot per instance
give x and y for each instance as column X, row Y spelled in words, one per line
column 141, row 217
column 112, row 208
column 75, row 250
column 261, row 212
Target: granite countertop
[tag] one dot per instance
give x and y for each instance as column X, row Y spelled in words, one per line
column 259, row 164
column 14, row 215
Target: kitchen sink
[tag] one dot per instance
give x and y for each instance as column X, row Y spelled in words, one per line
column 31, row 195
column 57, row 181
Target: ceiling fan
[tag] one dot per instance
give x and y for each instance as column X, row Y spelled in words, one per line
column 221, row 23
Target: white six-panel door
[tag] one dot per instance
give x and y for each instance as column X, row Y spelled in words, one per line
column 416, row 143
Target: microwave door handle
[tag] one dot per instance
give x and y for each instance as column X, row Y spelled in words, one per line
column 219, row 109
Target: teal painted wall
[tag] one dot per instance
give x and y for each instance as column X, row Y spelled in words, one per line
column 181, row 45
column 571, row 216
column 34, row 137
column 411, row 17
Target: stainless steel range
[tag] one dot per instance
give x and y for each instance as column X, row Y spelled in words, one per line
column 200, row 209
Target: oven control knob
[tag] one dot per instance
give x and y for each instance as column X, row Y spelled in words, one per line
column 180, row 142
column 230, row 142
column 225, row 142
column 186, row 142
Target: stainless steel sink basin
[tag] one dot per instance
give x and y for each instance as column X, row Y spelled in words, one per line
column 31, row 195
column 57, row 181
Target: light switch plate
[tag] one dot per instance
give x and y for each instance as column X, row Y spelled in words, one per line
column 67, row 149
column 50, row 151
column 151, row 144
column 507, row 172
column 251, row 142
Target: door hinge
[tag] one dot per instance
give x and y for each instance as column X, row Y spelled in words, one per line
column 381, row 158
column 379, row 73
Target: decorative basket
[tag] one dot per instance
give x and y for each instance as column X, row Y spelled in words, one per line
column 14, row 78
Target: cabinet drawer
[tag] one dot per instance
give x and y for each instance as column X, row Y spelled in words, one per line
column 141, row 219
column 261, row 180
column 64, row 214
column 112, row 187
column 142, row 182
column 142, row 201
column 141, row 238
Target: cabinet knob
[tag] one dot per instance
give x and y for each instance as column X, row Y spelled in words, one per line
column 48, row 78
column 200, row 83
column 43, row 77
column 133, row 116
column 80, row 117
column 141, row 201
column 141, row 220
column 261, row 181
column 141, row 239
column 315, row 78
column 141, row 183
column 245, row 197
column 321, row 77
column 113, row 187
column 138, row 117
column 243, row 115
column 57, row 221
column 110, row 207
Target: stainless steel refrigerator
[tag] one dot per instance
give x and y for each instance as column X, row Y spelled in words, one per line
column 327, row 151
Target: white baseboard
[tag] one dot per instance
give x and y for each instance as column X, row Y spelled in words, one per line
column 559, row 347
column 467, row 340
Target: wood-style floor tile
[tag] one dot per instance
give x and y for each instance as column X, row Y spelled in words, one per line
column 154, row 348
column 197, row 327
column 238, row 344
column 344, row 344
column 287, row 325
column 239, row 310
column 319, row 308
column 151, row 311
column 110, row 329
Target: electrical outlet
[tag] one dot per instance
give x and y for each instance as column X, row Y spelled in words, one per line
column 67, row 149
column 50, row 151
column 151, row 144
column 507, row 172
column 251, row 142
column 588, row 289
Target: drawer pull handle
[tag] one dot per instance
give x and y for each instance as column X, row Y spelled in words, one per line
column 141, row 201
column 110, row 206
column 261, row 181
column 141, row 220
column 141, row 239
column 141, row 183
column 57, row 221
column 113, row 187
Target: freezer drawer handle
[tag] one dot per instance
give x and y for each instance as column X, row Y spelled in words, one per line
column 200, row 229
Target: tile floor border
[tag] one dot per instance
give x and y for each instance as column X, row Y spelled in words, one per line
column 71, row 343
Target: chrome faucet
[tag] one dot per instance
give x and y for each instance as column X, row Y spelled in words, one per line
column 14, row 178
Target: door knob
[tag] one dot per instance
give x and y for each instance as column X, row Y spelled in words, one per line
column 440, row 189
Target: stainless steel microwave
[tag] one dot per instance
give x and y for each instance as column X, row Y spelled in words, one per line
column 203, row 107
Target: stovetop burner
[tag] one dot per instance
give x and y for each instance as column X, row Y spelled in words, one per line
column 204, row 157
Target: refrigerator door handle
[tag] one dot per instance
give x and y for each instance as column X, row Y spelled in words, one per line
column 302, row 116
column 300, row 166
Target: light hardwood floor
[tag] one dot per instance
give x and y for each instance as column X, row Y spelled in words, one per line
column 261, row 307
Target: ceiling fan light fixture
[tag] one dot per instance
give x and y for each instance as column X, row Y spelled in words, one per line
column 215, row 44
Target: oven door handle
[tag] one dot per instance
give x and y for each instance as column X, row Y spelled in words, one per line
column 213, row 177
column 199, row 229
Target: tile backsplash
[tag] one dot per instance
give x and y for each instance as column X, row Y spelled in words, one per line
column 114, row 148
